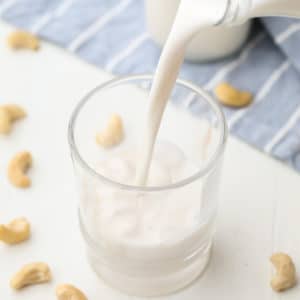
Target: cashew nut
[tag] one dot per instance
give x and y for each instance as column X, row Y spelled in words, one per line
column 15, row 232
column 23, row 40
column 230, row 96
column 69, row 292
column 17, row 169
column 30, row 274
column 15, row 111
column 113, row 133
column 285, row 276
column 10, row 113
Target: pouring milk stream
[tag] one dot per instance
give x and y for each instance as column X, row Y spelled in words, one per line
column 191, row 16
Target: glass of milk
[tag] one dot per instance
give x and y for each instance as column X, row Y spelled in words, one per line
column 155, row 239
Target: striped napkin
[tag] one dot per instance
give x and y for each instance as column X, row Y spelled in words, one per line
column 111, row 34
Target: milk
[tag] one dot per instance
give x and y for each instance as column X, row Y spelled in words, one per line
column 190, row 16
column 147, row 244
column 140, row 221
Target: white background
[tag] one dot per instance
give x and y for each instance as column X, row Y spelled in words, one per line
column 260, row 198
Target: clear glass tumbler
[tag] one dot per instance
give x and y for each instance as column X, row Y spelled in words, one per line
column 151, row 240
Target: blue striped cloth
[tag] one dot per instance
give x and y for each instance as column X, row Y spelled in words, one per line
column 111, row 34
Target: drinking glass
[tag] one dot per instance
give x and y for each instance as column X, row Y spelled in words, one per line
column 155, row 239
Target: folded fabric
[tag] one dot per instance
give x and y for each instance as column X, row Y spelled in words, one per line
column 112, row 35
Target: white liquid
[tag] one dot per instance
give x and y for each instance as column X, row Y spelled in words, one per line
column 151, row 244
column 136, row 218
column 191, row 16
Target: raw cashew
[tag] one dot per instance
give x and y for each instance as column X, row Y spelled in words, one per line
column 15, row 111
column 17, row 169
column 230, row 96
column 30, row 274
column 23, row 40
column 285, row 276
column 15, row 232
column 69, row 292
column 113, row 133
column 10, row 113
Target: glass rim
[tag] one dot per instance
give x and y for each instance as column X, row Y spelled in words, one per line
column 202, row 172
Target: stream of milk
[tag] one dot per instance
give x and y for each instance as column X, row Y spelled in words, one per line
column 191, row 16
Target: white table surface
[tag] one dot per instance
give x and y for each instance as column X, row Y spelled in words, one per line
column 259, row 212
